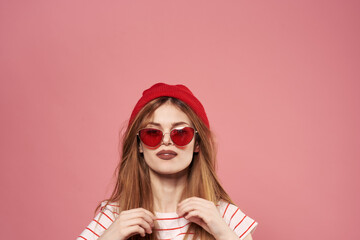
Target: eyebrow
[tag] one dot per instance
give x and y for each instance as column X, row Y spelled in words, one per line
column 172, row 125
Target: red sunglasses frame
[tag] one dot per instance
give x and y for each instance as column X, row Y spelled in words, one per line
column 163, row 134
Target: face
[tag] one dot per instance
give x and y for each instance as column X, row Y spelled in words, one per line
column 166, row 118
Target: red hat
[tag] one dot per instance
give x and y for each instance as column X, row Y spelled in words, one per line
column 177, row 91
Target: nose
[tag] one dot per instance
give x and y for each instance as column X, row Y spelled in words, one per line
column 167, row 139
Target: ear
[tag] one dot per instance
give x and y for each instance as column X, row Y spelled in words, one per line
column 140, row 148
column 197, row 148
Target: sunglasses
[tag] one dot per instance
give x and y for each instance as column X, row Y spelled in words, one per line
column 152, row 137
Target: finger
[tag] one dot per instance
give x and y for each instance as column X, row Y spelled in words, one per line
column 198, row 218
column 136, row 213
column 199, row 222
column 140, row 222
column 195, row 216
column 137, row 217
column 192, row 214
column 133, row 230
column 198, row 202
column 135, row 210
column 190, row 206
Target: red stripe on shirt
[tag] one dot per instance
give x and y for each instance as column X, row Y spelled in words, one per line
column 100, row 224
column 226, row 209
column 172, row 228
column 113, row 205
column 82, row 237
column 108, row 217
column 240, row 222
column 247, row 229
column 234, row 213
column 92, row 231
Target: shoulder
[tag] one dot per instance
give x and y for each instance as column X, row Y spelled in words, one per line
column 227, row 209
column 101, row 222
column 112, row 207
column 238, row 221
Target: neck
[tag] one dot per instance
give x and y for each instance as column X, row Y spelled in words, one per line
column 167, row 190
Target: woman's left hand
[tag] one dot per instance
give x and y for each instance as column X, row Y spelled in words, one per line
column 205, row 214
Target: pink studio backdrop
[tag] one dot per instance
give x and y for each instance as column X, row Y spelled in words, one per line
column 278, row 79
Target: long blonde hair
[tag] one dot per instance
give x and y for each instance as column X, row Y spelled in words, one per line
column 133, row 189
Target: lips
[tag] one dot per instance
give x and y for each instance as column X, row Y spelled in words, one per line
column 166, row 154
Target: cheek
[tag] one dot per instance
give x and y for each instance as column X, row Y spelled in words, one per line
column 186, row 155
column 148, row 155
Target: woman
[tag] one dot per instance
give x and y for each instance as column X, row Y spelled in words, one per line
column 166, row 185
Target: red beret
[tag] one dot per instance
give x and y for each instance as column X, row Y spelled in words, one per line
column 178, row 91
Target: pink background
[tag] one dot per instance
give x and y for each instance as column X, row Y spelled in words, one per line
column 278, row 79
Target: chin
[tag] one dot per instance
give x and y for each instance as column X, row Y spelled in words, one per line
column 170, row 171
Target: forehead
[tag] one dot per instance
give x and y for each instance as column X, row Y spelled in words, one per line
column 168, row 114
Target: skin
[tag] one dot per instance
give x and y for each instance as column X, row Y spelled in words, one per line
column 167, row 181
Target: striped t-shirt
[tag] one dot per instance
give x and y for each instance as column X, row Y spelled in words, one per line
column 170, row 225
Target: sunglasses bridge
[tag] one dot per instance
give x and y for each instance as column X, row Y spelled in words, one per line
column 169, row 140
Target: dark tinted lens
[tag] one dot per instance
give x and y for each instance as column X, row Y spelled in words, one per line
column 182, row 136
column 151, row 137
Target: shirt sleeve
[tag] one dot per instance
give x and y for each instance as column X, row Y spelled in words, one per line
column 99, row 224
column 238, row 221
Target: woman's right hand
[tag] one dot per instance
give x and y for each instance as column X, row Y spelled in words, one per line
column 129, row 223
